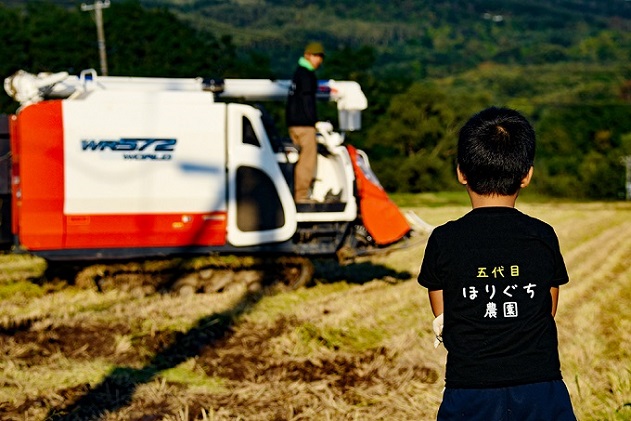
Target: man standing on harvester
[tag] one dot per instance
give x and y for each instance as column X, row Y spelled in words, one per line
column 301, row 117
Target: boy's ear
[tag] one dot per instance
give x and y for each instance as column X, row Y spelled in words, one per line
column 526, row 180
column 461, row 178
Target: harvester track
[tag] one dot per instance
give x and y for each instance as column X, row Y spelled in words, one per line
column 186, row 275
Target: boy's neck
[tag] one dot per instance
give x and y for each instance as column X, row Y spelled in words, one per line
column 480, row 201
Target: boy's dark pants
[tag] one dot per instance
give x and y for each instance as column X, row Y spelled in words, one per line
column 546, row 401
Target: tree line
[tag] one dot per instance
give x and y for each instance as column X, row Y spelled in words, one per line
column 576, row 91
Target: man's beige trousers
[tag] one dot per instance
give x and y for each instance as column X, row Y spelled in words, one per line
column 304, row 172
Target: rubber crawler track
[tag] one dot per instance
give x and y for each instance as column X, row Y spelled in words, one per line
column 204, row 274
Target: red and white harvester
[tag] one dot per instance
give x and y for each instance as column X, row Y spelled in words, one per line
column 101, row 168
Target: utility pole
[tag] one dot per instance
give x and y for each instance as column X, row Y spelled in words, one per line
column 98, row 7
column 626, row 160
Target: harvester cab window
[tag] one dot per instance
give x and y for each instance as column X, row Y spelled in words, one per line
column 249, row 135
column 279, row 143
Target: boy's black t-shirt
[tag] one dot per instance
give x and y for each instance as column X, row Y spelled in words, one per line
column 496, row 266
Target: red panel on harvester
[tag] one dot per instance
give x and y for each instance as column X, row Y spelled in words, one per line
column 381, row 217
column 41, row 177
column 171, row 230
column 118, row 172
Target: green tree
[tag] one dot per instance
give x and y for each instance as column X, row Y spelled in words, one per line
column 58, row 39
column 154, row 42
column 602, row 47
column 13, row 49
column 579, row 150
column 602, row 175
column 414, row 143
column 14, row 41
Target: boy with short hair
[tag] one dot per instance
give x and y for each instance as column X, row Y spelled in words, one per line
column 493, row 276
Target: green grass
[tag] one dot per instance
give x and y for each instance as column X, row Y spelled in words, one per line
column 432, row 200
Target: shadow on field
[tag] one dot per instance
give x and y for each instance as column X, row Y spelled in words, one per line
column 359, row 272
column 117, row 389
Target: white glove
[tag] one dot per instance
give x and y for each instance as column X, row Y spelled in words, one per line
column 437, row 327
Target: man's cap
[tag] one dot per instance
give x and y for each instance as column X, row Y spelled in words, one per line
column 314, row 48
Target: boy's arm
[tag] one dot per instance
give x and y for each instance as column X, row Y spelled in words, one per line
column 554, row 292
column 436, row 301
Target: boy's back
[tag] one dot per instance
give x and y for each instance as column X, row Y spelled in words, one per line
column 496, row 266
column 493, row 278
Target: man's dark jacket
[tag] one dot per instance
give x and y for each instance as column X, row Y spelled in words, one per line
column 301, row 101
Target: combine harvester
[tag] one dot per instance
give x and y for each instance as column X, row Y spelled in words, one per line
column 168, row 176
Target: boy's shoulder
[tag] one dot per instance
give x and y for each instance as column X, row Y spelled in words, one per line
column 491, row 220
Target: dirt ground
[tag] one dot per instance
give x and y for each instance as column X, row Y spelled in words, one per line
column 240, row 357
column 257, row 382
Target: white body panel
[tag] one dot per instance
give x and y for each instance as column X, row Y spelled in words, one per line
column 261, row 157
column 335, row 175
column 167, row 153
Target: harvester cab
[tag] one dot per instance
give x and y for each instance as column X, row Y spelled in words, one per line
column 105, row 167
